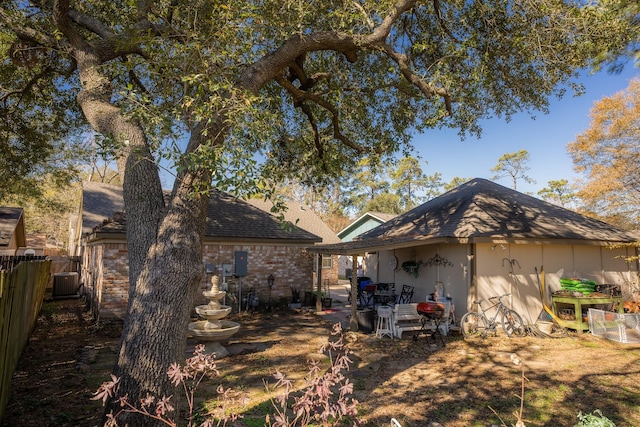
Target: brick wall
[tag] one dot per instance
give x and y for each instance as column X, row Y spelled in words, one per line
column 105, row 274
column 290, row 266
column 106, row 282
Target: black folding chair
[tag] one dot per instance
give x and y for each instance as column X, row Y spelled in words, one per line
column 367, row 297
column 406, row 295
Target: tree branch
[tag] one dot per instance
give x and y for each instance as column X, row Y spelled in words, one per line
column 91, row 24
column 271, row 66
column 436, row 7
column 23, row 32
column 382, row 32
column 27, row 87
column 425, row 87
column 299, row 96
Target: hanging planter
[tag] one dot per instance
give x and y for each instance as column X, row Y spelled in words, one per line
column 411, row 267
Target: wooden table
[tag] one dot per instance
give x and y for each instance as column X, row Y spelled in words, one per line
column 577, row 303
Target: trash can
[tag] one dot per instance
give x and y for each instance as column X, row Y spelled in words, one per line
column 366, row 320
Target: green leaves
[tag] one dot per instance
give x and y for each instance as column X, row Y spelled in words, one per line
column 344, row 93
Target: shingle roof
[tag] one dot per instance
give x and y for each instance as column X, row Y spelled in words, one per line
column 481, row 210
column 233, row 218
column 99, row 202
column 303, row 217
column 9, row 220
column 228, row 219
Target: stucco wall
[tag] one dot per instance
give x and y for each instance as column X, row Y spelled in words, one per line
column 513, row 270
column 501, row 269
column 105, row 273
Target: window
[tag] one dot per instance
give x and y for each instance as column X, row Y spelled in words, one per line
column 327, row 261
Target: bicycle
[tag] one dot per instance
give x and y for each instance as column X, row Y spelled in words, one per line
column 475, row 323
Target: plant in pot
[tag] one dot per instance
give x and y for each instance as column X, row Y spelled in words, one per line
column 411, row 267
column 326, row 301
column 295, row 296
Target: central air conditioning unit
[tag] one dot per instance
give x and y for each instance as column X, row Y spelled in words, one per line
column 65, row 285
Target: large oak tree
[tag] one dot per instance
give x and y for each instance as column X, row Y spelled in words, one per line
column 307, row 86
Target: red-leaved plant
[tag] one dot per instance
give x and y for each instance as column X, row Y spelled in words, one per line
column 190, row 376
column 325, row 400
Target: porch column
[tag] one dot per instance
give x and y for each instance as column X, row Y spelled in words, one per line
column 353, row 320
column 319, row 283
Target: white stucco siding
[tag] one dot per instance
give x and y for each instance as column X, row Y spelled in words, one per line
column 557, row 261
column 494, row 274
column 587, row 263
column 525, row 290
column 618, row 271
column 517, row 269
column 453, row 272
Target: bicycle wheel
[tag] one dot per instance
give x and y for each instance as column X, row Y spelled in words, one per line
column 512, row 324
column 473, row 324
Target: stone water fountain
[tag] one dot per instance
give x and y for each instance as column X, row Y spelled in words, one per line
column 215, row 327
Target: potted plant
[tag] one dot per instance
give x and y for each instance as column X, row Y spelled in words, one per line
column 326, row 302
column 295, row 297
column 411, row 267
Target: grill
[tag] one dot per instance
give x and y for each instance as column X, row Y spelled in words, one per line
column 432, row 313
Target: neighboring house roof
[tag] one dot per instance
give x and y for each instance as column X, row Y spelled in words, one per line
column 12, row 223
column 301, row 216
column 229, row 219
column 99, row 202
column 483, row 211
column 366, row 222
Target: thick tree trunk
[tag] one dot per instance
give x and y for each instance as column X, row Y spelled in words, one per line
column 164, row 249
column 154, row 334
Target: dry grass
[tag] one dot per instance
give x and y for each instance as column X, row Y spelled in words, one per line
column 68, row 358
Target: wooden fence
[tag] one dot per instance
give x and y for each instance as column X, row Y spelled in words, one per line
column 21, row 294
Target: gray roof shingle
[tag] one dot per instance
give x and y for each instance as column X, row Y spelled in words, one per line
column 228, row 218
column 481, row 210
column 303, row 217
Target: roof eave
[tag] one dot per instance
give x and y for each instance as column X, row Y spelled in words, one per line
column 359, row 247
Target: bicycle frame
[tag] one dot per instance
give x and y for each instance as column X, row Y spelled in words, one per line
column 492, row 321
column 510, row 320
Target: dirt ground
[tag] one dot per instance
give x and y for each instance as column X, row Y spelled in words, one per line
column 466, row 383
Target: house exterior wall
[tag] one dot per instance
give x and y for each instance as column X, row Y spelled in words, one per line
column 291, row 266
column 359, row 228
column 330, row 274
column 516, row 269
column 513, row 270
column 452, row 274
column 105, row 274
column 11, row 248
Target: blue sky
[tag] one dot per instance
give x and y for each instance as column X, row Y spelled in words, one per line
column 545, row 138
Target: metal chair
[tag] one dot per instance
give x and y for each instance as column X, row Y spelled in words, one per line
column 367, row 297
column 406, row 295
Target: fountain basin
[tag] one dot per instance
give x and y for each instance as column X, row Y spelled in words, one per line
column 204, row 332
column 213, row 313
column 213, row 295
